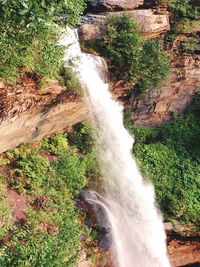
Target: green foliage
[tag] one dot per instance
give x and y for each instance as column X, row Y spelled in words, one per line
column 184, row 9
column 5, row 212
column 56, row 144
column 69, row 79
column 71, row 169
column 30, row 173
column 132, row 58
column 191, row 45
column 170, row 156
column 153, row 65
column 82, row 137
column 187, row 26
column 122, row 43
column 50, row 236
column 29, row 31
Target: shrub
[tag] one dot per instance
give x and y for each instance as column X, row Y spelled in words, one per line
column 69, row 79
column 170, row 155
column 5, row 212
column 57, row 144
column 184, row 9
column 153, row 65
column 30, row 173
column 131, row 58
column 122, row 43
column 71, row 169
column 82, row 137
column 50, row 236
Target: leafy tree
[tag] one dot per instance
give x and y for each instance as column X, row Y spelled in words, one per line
column 29, row 31
column 123, row 43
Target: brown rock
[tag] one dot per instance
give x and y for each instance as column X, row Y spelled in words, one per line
column 28, row 113
column 151, row 24
column 116, row 4
column 174, row 95
column 183, row 253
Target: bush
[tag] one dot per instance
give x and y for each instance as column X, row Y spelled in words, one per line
column 5, row 212
column 170, row 156
column 69, row 79
column 71, row 169
column 82, row 137
column 153, row 65
column 50, row 236
column 131, row 58
column 122, row 43
column 189, row 9
column 57, row 144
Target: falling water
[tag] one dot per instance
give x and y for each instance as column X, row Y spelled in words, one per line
column 136, row 225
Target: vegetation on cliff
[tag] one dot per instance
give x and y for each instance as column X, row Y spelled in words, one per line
column 185, row 20
column 184, row 9
column 49, row 176
column 29, row 31
column 130, row 57
column 170, row 156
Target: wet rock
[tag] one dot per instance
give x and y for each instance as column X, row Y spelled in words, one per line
column 96, row 215
column 105, row 242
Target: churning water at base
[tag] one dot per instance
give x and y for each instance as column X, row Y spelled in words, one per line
column 136, row 225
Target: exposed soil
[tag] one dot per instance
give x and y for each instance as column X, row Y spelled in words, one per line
column 18, row 203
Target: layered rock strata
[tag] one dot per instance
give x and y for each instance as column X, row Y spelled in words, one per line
column 173, row 96
column 151, row 23
column 28, row 113
column 115, row 4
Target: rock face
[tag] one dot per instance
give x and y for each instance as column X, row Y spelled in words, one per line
column 182, row 253
column 173, row 96
column 28, row 113
column 151, row 24
column 116, row 4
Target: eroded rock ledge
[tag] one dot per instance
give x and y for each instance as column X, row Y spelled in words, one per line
column 152, row 24
column 112, row 5
column 28, row 113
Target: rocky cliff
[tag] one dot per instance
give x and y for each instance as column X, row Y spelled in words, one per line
column 152, row 24
column 28, row 113
column 173, row 96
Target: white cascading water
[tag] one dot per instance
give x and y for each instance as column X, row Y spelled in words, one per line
column 136, row 225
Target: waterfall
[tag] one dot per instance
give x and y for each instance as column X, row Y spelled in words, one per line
column 136, row 224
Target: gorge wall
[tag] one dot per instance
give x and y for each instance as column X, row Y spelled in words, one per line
column 28, row 113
